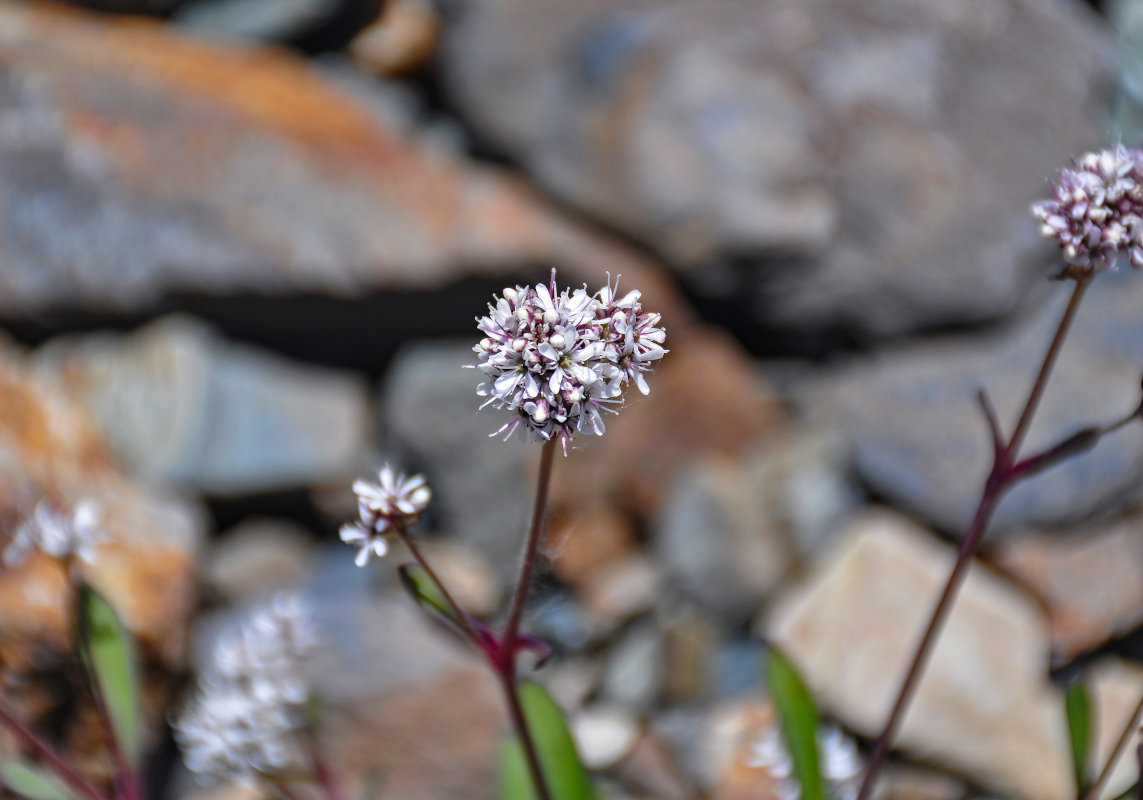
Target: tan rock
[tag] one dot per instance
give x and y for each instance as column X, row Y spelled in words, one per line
column 985, row 705
column 1091, row 581
column 1116, row 688
column 256, row 557
column 403, row 39
column 579, row 543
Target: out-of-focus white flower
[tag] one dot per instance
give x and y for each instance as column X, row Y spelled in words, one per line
column 557, row 359
column 57, row 533
column 1096, row 209
column 243, row 718
column 838, row 760
column 396, row 501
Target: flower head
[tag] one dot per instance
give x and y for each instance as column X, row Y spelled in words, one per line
column 396, row 501
column 249, row 702
column 557, row 359
column 1096, row 210
column 57, row 533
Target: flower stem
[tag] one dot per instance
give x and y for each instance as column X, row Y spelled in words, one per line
column 1000, row 478
column 461, row 615
column 506, row 668
column 1117, row 752
column 44, row 751
column 321, row 769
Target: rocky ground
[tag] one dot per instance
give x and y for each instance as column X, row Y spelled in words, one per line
column 242, row 246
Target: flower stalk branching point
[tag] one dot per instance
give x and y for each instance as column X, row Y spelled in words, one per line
column 1096, row 215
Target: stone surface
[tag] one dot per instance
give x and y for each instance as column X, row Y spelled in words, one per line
column 633, row 671
column 621, row 590
column 403, row 39
column 985, row 705
column 255, row 557
column 585, row 540
column 604, row 735
column 181, row 404
column 50, row 449
column 1116, row 688
column 819, row 165
column 275, row 20
column 147, row 163
column 920, row 440
column 1091, row 580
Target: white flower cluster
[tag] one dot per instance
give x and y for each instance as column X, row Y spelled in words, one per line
column 555, row 360
column 57, row 533
column 1096, row 209
column 839, row 761
column 244, row 716
column 396, row 501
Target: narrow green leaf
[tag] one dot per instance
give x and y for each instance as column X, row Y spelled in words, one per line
column 425, row 591
column 33, row 781
column 109, row 657
column 1077, row 702
column 1130, row 793
column 566, row 776
column 799, row 721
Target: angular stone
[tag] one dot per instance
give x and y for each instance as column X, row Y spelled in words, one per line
column 1116, row 688
column 579, row 544
column 1091, row 580
column 147, row 163
column 255, row 557
column 985, row 704
column 827, row 165
column 920, row 440
column 50, row 449
column 403, row 39
column 181, row 404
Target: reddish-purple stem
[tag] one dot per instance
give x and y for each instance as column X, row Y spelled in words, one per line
column 45, row 752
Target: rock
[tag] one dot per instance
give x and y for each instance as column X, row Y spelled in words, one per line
column 180, row 404
column 604, row 735
column 571, row 681
column 403, row 39
column 985, row 705
column 256, row 557
column 911, row 782
column 274, row 20
column 481, row 485
column 147, row 164
column 707, row 393
column 1091, row 580
column 582, row 541
column 1116, row 688
column 1126, row 19
column 817, row 166
column 690, row 640
column 740, row 662
column 621, row 590
column 50, row 450
column 633, row 672
column 652, row 768
column 919, row 438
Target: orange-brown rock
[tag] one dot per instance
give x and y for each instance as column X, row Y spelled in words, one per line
column 49, row 450
column 147, row 163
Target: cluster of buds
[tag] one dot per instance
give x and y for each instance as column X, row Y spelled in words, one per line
column 555, row 360
column 57, row 533
column 395, row 503
column 1096, row 210
column 243, row 719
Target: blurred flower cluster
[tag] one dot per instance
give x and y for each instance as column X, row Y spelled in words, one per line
column 1096, row 209
column 556, row 359
column 57, row 533
column 249, row 705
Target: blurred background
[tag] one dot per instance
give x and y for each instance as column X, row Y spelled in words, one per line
column 242, row 247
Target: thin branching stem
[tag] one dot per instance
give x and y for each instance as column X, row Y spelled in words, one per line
column 1000, row 478
column 461, row 615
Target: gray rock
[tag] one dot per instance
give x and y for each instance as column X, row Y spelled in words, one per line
column 276, row 20
column 179, row 403
column 827, row 164
column 634, row 669
column 920, row 440
column 255, row 557
column 985, row 705
column 482, row 485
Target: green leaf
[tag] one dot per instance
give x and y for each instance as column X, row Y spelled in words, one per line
column 1130, row 793
column 1077, row 702
column 800, row 722
column 428, row 595
column 566, row 776
column 109, row 657
column 33, row 781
